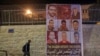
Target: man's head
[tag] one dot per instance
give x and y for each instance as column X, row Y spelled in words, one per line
column 76, row 36
column 64, row 36
column 63, row 22
column 51, row 23
column 75, row 10
column 75, row 24
column 29, row 41
column 52, row 10
column 52, row 35
column 65, row 10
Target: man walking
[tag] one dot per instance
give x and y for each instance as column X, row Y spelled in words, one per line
column 26, row 48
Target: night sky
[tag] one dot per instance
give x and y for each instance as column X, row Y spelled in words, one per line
column 12, row 2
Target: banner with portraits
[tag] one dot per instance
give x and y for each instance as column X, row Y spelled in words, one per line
column 64, row 30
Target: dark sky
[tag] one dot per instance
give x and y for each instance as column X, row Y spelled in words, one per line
column 11, row 2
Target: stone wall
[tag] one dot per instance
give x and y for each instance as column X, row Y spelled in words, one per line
column 13, row 42
column 91, row 38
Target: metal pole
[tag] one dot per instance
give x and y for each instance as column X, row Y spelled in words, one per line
column 32, row 19
column 9, row 18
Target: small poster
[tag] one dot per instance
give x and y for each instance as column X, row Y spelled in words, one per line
column 64, row 30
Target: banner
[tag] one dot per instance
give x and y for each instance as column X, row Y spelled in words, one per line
column 64, row 30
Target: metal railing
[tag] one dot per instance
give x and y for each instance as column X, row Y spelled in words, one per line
column 14, row 17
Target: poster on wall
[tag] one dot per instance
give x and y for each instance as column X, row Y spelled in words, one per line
column 64, row 30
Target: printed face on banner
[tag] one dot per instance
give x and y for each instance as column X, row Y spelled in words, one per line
column 64, row 12
column 64, row 37
column 52, row 25
column 75, row 37
column 75, row 14
column 52, row 12
column 64, row 25
column 64, row 30
column 52, row 37
column 75, row 25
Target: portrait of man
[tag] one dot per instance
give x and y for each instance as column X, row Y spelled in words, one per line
column 76, row 37
column 52, row 38
column 75, row 25
column 63, row 26
column 51, row 25
column 64, row 12
column 75, row 13
column 52, row 12
column 64, row 38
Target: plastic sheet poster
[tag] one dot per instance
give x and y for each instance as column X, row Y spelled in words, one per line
column 64, row 30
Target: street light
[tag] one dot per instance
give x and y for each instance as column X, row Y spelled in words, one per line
column 28, row 12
